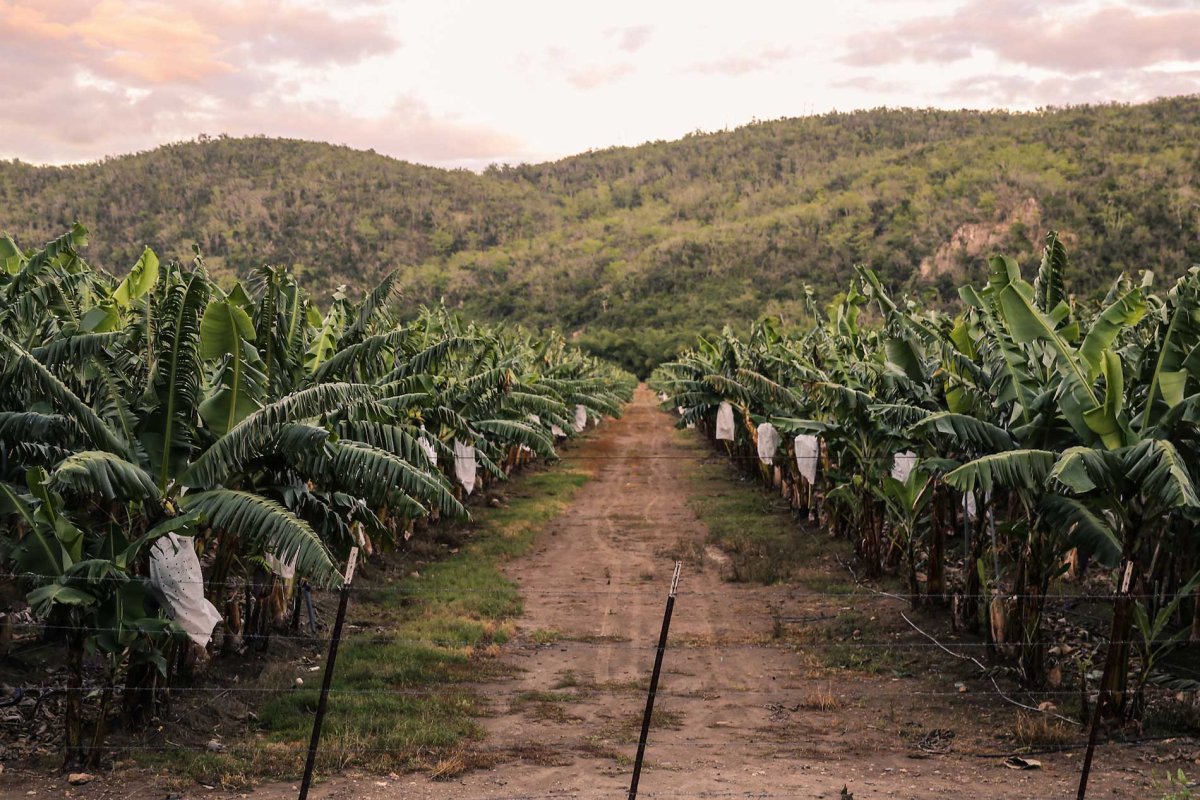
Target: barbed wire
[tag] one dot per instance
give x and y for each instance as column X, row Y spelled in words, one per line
column 517, row 749
column 567, row 694
column 858, row 591
column 681, row 642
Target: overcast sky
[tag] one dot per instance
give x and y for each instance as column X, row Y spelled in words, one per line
column 468, row 83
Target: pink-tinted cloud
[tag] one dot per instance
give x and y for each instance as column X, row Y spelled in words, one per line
column 632, row 38
column 594, row 76
column 168, row 41
column 560, row 62
column 1034, row 35
column 85, row 78
column 1103, row 87
column 734, row 65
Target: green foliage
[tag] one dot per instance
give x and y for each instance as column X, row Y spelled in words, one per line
column 641, row 249
column 1024, row 404
column 268, row 433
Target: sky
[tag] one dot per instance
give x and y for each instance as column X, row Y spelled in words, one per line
column 458, row 83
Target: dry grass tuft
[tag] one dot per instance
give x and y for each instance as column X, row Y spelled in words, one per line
column 1041, row 730
column 821, row 700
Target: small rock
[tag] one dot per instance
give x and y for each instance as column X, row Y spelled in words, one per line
column 1046, row 705
column 299, row 681
column 79, row 778
column 214, row 746
column 961, row 687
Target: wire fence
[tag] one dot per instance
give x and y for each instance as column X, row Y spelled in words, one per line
column 779, row 701
column 402, row 586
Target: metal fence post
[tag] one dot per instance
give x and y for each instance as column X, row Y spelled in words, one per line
column 327, row 678
column 658, row 659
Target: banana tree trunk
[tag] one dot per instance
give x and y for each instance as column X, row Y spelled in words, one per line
column 73, row 719
column 974, row 584
column 1115, row 682
column 935, row 570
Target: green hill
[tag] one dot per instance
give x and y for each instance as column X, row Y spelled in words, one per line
column 635, row 250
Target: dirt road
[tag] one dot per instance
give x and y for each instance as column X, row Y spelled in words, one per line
column 740, row 712
column 739, row 716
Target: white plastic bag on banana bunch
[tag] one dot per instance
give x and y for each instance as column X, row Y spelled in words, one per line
column 580, row 418
column 808, row 449
column 969, row 506
column 557, row 432
column 662, row 397
column 768, row 443
column 428, row 447
column 465, row 465
column 902, row 465
column 287, row 571
column 175, row 570
column 725, row 422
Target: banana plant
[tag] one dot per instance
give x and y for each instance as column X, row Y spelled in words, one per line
column 269, row 431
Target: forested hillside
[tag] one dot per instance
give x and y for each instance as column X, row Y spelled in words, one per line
column 636, row 250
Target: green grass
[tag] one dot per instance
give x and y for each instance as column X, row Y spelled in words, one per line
column 439, row 634
column 767, row 544
column 753, row 526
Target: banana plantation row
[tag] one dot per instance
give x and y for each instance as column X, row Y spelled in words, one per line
column 166, row 443
column 1049, row 433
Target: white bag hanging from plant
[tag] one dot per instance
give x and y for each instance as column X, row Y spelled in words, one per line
column 768, row 443
column 175, row 570
column 725, row 422
column 557, row 431
column 580, row 418
column 430, row 450
column 902, row 465
column 662, row 397
column 969, row 506
column 534, row 418
column 465, row 465
column 286, row 571
column 808, row 449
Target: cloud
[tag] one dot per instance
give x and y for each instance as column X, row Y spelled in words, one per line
column 735, row 65
column 562, row 63
column 595, row 76
column 870, row 83
column 631, row 39
column 1103, row 87
column 1019, row 32
column 84, row 79
column 161, row 42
